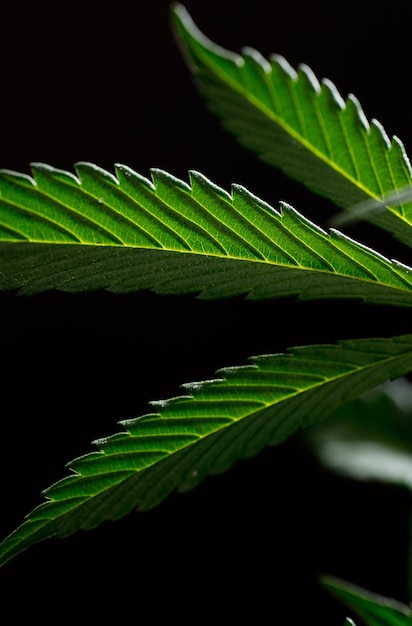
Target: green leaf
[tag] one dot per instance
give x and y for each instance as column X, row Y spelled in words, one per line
column 370, row 438
column 303, row 126
column 127, row 233
column 373, row 609
column 205, row 430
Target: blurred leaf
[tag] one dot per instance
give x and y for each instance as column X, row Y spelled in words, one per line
column 370, row 438
column 373, row 609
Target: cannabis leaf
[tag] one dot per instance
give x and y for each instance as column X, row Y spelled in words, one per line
column 125, row 232
column 206, row 430
column 303, row 126
column 371, row 438
column 94, row 229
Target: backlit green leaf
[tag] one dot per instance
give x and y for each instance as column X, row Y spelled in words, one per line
column 301, row 125
column 205, row 430
column 125, row 232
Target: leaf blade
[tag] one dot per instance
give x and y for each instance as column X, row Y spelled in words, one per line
column 124, row 232
column 206, row 430
column 299, row 124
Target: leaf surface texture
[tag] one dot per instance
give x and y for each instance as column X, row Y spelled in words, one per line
column 300, row 124
column 206, row 429
column 125, row 232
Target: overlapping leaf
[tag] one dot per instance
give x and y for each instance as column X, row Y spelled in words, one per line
column 293, row 121
column 125, row 232
column 372, row 437
column 207, row 429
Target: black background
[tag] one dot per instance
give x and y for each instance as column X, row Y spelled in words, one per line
column 107, row 84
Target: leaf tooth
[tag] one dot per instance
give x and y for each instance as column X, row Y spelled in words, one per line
column 399, row 145
column 84, row 168
column 352, row 103
column 219, row 408
column 38, row 168
column 125, row 172
column 305, row 71
column 159, row 442
column 340, row 237
column 284, row 65
column 257, row 57
column 401, row 171
column 381, row 132
column 165, row 403
column 187, row 425
column 329, row 88
column 200, row 385
column 251, row 197
column 255, row 377
column 160, row 176
column 237, row 388
column 296, row 362
column 200, row 181
column 61, row 492
column 133, row 421
column 98, row 463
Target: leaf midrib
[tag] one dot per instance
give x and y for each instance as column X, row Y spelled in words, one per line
column 372, row 280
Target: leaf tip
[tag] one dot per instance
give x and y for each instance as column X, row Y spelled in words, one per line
column 187, row 32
